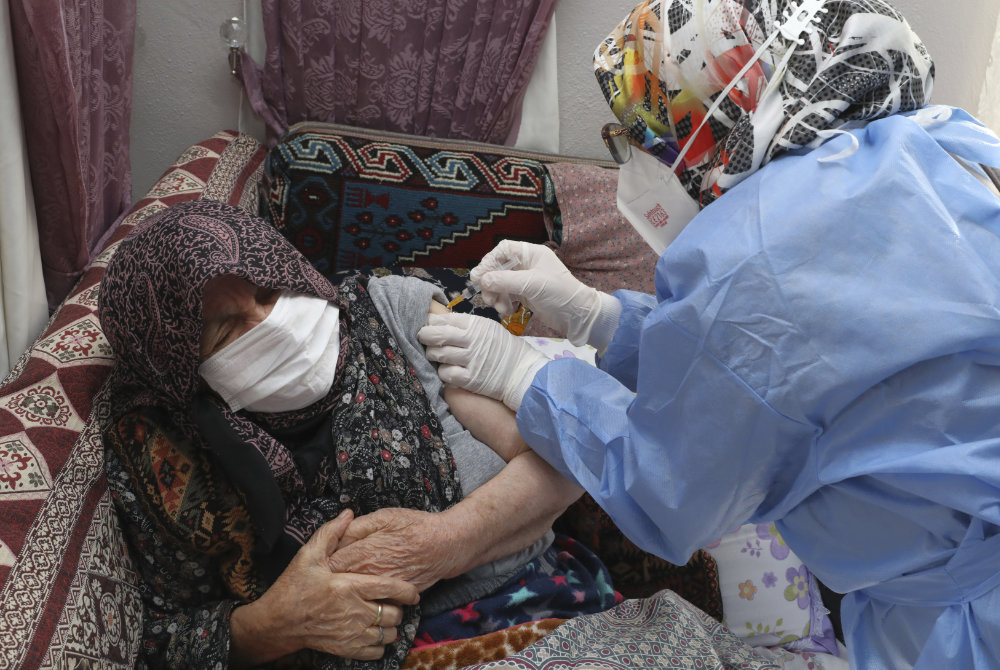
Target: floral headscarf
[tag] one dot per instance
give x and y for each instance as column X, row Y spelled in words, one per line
column 663, row 67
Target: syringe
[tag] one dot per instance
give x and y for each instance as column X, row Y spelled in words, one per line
column 471, row 290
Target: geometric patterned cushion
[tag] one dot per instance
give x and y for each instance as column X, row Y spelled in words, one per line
column 68, row 592
column 349, row 198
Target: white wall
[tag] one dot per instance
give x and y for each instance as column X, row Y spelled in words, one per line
column 989, row 99
column 184, row 92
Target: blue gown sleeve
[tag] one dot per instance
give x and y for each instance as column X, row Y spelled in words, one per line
column 652, row 460
column 621, row 360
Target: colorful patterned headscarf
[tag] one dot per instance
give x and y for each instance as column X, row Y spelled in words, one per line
column 664, row 66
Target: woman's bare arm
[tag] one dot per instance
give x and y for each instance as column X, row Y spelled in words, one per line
column 502, row 516
column 489, row 421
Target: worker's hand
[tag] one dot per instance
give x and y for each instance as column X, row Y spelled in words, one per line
column 407, row 544
column 478, row 354
column 310, row 606
column 540, row 281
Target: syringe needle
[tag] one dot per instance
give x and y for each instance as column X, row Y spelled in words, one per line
column 470, row 291
column 466, row 294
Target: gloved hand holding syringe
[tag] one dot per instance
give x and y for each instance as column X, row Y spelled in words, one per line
column 472, row 289
column 515, row 322
column 532, row 275
column 477, row 355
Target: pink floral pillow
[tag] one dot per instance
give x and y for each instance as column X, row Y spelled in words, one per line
column 597, row 243
column 769, row 597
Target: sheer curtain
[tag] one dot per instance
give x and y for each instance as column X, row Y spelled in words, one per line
column 441, row 68
column 538, row 129
column 23, row 310
column 74, row 74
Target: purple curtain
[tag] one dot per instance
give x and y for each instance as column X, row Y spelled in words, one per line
column 74, row 73
column 439, row 68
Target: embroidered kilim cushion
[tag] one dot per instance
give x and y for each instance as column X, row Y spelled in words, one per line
column 350, row 198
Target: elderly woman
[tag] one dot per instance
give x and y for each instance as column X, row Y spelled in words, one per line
column 822, row 348
column 258, row 409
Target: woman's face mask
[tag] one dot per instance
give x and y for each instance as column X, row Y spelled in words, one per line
column 285, row 362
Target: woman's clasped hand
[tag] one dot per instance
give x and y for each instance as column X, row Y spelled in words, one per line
column 298, row 611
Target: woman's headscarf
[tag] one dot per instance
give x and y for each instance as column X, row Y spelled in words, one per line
column 156, row 278
column 664, row 66
column 150, row 308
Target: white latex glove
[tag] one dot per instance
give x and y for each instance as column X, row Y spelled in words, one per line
column 540, row 281
column 478, row 354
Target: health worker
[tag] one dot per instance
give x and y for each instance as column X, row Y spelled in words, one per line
column 823, row 349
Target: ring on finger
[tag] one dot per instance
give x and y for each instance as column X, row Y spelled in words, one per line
column 378, row 616
column 381, row 636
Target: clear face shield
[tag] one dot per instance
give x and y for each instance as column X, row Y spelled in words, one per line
column 650, row 194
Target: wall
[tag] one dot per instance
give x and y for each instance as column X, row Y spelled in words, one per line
column 989, row 99
column 184, row 91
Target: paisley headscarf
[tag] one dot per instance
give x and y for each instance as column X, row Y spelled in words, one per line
column 663, row 67
column 296, row 469
column 150, row 307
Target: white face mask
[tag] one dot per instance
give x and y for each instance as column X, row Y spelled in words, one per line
column 651, row 197
column 650, row 194
column 286, row 362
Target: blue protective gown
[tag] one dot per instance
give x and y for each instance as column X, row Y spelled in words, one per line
column 824, row 352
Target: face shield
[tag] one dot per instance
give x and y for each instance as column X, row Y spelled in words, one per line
column 708, row 91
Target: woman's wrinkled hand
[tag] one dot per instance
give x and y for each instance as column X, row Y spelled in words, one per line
column 415, row 546
column 311, row 607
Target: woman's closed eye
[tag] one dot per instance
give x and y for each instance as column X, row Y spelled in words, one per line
column 216, row 334
column 226, row 333
column 232, row 307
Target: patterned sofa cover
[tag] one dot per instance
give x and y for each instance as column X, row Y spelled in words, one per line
column 68, row 594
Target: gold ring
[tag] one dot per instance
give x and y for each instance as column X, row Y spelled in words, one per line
column 378, row 616
column 381, row 636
